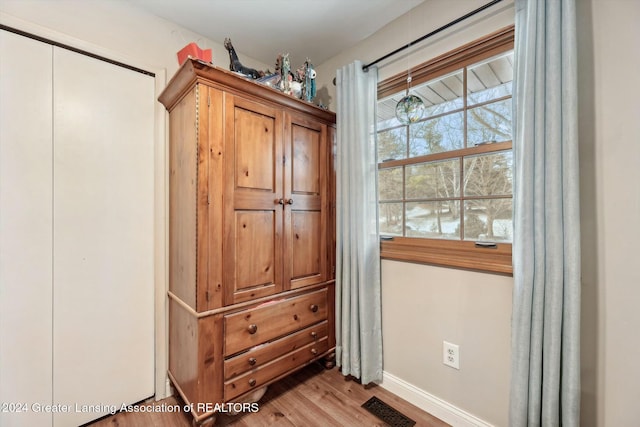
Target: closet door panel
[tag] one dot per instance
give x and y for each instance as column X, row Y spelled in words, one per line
column 25, row 227
column 103, row 318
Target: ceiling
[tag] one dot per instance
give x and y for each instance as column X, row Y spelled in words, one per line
column 262, row 29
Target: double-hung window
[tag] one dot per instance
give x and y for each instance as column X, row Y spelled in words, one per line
column 445, row 181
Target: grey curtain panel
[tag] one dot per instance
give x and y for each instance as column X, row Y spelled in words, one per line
column 545, row 384
column 358, row 305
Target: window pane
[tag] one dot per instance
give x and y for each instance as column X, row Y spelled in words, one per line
column 390, row 183
column 463, row 197
column 433, row 180
column 390, row 218
column 434, row 220
column 489, row 123
column 488, row 174
column 488, row 220
column 386, row 110
column 444, row 133
column 392, row 144
column 490, row 80
column 441, row 95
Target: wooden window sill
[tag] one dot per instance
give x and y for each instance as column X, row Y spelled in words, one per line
column 449, row 253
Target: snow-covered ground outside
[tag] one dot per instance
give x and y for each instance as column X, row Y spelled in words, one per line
column 421, row 222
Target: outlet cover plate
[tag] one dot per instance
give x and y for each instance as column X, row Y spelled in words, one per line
column 451, row 354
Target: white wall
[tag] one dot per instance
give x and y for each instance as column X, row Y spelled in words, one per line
column 424, row 306
column 609, row 126
column 117, row 29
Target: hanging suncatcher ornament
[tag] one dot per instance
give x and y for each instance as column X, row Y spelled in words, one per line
column 410, row 108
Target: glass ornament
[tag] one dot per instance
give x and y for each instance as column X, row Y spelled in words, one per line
column 410, row 109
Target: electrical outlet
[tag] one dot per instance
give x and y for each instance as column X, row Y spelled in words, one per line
column 451, row 354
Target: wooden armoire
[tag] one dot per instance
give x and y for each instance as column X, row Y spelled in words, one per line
column 251, row 236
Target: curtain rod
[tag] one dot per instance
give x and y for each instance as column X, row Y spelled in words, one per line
column 432, row 33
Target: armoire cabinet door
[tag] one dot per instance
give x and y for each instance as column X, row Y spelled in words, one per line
column 306, row 224
column 254, row 204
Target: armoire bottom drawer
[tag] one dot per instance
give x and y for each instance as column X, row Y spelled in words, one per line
column 258, row 377
column 264, row 353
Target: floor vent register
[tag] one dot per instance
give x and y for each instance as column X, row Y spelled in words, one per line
column 387, row 414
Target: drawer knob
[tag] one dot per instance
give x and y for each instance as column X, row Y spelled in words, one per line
column 252, row 328
column 313, row 307
column 252, row 361
column 314, row 335
column 314, row 351
column 252, row 382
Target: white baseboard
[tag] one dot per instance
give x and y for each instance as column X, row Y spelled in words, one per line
column 430, row 403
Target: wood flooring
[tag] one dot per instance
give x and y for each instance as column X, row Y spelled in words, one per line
column 312, row 397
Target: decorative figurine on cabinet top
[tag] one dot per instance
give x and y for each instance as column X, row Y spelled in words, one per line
column 235, row 65
column 283, row 67
column 300, row 84
column 309, row 81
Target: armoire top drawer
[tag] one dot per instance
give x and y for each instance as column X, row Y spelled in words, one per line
column 265, row 322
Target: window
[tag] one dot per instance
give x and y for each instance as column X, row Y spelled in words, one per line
column 445, row 181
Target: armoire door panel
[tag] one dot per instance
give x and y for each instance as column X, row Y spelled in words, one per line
column 253, row 241
column 306, row 161
column 306, row 241
column 26, row 227
column 255, row 150
column 256, row 249
column 253, row 217
column 305, row 249
column 103, row 211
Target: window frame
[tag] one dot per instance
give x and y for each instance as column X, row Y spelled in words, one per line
column 450, row 253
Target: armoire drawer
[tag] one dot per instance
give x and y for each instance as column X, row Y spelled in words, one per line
column 249, row 328
column 258, row 377
column 260, row 355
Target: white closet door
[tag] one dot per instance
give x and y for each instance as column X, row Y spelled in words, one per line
column 25, row 228
column 103, row 330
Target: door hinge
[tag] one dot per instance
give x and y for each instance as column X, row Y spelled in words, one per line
column 207, row 295
column 209, row 100
column 208, row 202
column 284, row 160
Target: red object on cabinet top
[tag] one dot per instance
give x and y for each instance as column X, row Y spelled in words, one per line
column 192, row 50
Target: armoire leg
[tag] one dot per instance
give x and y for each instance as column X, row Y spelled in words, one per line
column 330, row 360
column 207, row 422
